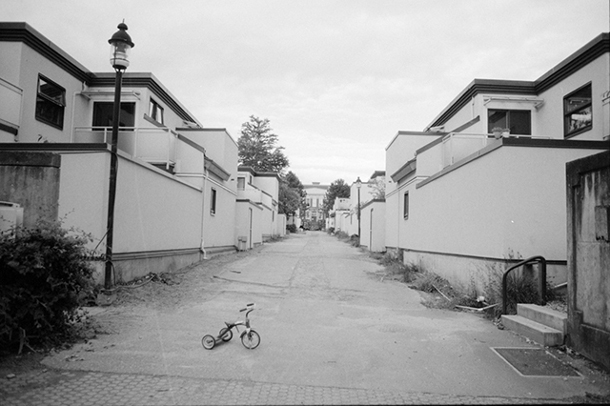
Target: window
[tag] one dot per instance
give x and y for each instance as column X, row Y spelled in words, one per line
column 50, row 103
column 577, row 111
column 103, row 113
column 213, row 202
column 517, row 121
column 405, row 209
column 155, row 111
column 241, row 183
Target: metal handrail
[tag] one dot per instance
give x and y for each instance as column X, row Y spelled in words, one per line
column 541, row 280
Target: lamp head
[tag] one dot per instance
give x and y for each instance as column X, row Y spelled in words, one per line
column 120, row 45
column 358, row 183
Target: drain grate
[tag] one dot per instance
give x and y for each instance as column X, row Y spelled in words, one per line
column 535, row 362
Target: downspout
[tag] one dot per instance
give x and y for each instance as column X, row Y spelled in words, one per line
column 205, row 183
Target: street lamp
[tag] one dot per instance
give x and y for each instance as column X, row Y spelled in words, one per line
column 358, row 186
column 120, row 45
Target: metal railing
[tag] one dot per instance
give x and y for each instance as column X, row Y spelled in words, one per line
column 541, row 280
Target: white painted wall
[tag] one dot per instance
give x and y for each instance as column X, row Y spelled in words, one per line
column 508, row 201
column 550, row 116
column 373, row 226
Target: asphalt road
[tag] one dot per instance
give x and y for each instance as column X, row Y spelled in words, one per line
column 326, row 319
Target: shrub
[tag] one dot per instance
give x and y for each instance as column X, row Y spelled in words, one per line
column 292, row 228
column 392, row 261
column 44, row 279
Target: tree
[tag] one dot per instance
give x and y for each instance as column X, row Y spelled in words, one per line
column 257, row 147
column 379, row 187
column 291, row 195
column 336, row 189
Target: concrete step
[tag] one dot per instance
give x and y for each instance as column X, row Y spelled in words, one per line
column 544, row 315
column 540, row 333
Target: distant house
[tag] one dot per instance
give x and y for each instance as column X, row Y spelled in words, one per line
column 258, row 219
column 315, row 195
column 176, row 189
column 484, row 183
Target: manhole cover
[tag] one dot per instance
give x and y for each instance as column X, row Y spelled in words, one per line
column 535, row 362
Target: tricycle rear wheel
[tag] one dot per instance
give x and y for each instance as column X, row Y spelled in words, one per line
column 208, row 342
column 225, row 334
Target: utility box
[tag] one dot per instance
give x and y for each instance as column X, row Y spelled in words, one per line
column 11, row 216
column 242, row 243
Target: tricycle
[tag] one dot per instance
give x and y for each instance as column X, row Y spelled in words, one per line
column 249, row 338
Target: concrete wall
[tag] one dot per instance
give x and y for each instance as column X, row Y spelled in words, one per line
column 372, row 225
column 505, row 204
column 31, row 179
column 588, row 191
column 248, row 223
column 157, row 224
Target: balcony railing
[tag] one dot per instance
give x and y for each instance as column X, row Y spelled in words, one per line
column 154, row 145
column 457, row 146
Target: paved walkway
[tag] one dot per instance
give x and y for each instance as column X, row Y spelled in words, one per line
column 333, row 332
column 96, row 388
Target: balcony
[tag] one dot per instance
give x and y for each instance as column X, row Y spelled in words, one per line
column 457, row 146
column 160, row 147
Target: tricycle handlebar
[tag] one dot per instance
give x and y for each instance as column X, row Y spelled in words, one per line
column 249, row 306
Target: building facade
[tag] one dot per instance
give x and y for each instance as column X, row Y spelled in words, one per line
column 314, row 213
column 484, row 184
column 176, row 181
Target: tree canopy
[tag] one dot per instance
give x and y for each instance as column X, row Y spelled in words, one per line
column 336, row 189
column 257, row 147
column 291, row 195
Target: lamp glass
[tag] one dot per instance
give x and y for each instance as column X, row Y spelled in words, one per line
column 119, row 54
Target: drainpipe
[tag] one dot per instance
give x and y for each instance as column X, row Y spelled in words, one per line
column 205, row 183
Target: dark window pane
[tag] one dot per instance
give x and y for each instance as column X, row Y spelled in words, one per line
column 580, row 119
column 577, row 110
column 517, row 121
column 497, row 118
column 578, row 99
column 102, row 114
column 520, row 122
column 50, row 103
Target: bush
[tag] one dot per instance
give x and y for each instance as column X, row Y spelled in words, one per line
column 392, row 261
column 44, row 279
column 292, row 228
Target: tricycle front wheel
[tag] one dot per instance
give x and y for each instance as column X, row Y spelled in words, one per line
column 208, row 342
column 251, row 340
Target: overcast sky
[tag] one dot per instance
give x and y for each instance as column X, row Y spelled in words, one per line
column 337, row 79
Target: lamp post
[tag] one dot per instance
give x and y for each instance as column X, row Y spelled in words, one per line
column 120, row 45
column 358, row 186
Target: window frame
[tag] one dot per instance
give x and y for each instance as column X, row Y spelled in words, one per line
column 43, row 99
column 125, row 109
column 405, row 205
column 213, row 202
column 241, row 183
column 567, row 114
column 156, row 111
column 508, row 125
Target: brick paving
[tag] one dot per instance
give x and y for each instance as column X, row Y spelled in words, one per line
column 59, row 388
